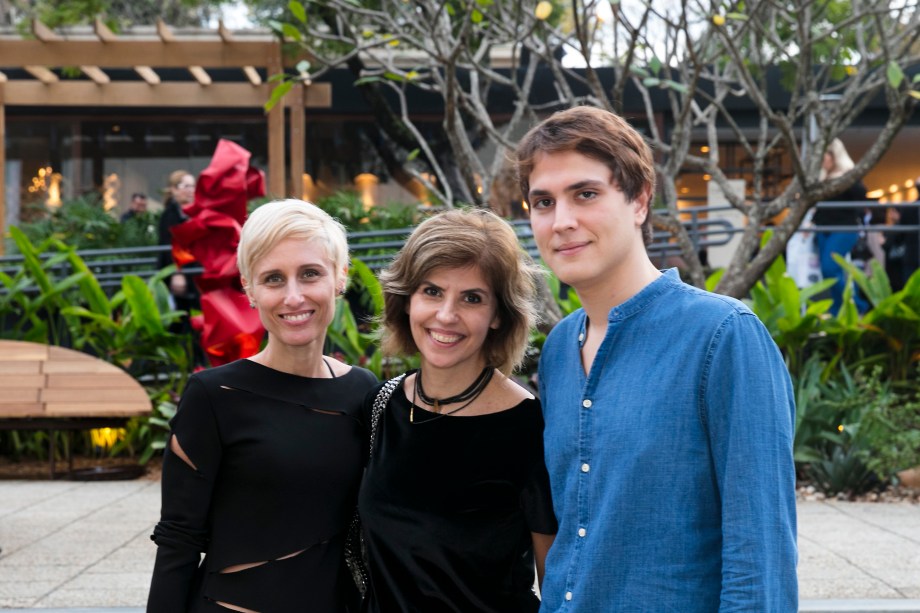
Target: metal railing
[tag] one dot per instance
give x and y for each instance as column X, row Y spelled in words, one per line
column 377, row 248
column 706, row 231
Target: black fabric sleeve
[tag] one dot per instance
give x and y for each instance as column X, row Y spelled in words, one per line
column 182, row 532
column 537, row 498
column 171, row 216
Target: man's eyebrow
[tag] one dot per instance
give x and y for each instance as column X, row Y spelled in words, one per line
column 574, row 187
column 586, row 183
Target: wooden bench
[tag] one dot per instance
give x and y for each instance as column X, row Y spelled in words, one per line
column 53, row 388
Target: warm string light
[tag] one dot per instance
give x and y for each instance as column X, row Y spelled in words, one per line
column 47, row 182
column 367, row 188
column 308, row 188
column 894, row 193
column 110, row 186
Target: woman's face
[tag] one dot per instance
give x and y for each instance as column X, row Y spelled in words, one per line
column 827, row 163
column 184, row 191
column 450, row 315
column 294, row 287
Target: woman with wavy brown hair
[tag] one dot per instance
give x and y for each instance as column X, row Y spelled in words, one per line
column 455, row 501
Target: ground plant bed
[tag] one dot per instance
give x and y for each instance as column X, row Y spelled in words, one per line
column 892, row 493
column 85, row 468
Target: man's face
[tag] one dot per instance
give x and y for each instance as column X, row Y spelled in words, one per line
column 139, row 204
column 586, row 229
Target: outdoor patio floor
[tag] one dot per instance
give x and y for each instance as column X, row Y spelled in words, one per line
column 85, row 546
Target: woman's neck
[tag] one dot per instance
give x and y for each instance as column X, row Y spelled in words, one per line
column 305, row 361
column 445, row 382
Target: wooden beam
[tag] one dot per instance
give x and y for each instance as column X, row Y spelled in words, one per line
column 164, row 32
column 276, row 165
column 42, row 74
column 296, row 140
column 2, row 167
column 135, row 94
column 96, row 74
column 253, row 75
column 200, row 74
column 148, row 74
column 123, row 53
column 225, row 34
column 43, row 32
column 103, row 32
column 318, row 96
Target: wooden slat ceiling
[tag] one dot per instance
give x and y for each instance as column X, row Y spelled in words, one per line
column 31, row 68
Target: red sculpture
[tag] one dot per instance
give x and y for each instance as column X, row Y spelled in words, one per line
column 229, row 329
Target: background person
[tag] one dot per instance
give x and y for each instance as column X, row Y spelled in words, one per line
column 669, row 410
column 137, row 207
column 263, row 463
column 455, row 496
column 181, row 191
column 835, row 163
column 902, row 249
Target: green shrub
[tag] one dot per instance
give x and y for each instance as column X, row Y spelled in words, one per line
column 854, row 431
column 347, row 207
column 84, row 224
column 892, row 432
column 857, row 404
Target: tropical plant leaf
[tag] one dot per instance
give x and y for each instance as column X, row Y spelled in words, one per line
column 141, row 305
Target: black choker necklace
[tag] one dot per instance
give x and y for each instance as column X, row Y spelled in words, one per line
column 467, row 396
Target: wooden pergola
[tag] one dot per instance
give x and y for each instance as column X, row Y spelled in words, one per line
column 99, row 50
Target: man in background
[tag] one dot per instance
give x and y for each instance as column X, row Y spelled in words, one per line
column 137, row 207
column 902, row 249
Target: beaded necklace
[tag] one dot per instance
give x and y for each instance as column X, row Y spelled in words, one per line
column 467, row 396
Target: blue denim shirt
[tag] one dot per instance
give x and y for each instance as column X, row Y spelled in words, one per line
column 671, row 462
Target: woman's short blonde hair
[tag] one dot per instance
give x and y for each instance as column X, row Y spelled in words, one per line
column 277, row 221
column 457, row 239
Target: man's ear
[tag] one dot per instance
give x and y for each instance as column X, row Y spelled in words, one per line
column 643, row 205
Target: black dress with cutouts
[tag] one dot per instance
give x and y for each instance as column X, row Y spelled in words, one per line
column 278, row 461
column 448, row 504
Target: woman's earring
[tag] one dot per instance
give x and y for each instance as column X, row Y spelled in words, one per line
column 252, row 305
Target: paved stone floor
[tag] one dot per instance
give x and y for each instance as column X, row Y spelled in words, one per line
column 84, row 547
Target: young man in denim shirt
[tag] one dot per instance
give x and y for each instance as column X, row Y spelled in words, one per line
column 669, row 410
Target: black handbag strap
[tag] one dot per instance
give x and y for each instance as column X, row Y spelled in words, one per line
column 355, row 550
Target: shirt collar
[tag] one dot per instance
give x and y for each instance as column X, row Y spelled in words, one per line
column 646, row 295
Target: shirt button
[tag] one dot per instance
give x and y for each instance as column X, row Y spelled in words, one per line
column 582, row 532
column 568, row 595
column 585, row 467
column 581, row 337
column 586, row 403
